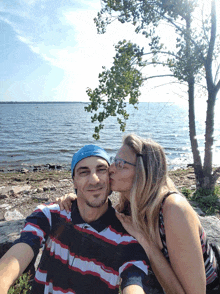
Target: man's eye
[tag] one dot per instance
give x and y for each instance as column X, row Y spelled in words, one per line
column 83, row 173
column 102, row 170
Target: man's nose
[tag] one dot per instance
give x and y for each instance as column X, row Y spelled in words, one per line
column 94, row 179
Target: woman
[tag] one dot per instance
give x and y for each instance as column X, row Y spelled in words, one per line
column 162, row 220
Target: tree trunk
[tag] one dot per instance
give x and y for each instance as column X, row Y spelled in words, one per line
column 192, row 125
column 209, row 179
column 209, row 182
column 192, row 134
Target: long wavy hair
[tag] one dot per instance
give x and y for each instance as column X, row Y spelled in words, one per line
column 151, row 184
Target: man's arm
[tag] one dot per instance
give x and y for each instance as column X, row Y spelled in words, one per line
column 133, row 289
column 13, row 263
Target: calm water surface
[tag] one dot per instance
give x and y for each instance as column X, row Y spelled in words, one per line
column 41, row 133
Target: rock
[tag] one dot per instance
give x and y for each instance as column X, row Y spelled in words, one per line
column 5, row 206
column 13, row 215
column 10, row 230
column 191, row 177
column 21, row 189
column 51, row 166
column 49, row 189
column 3, row 192
column 1, row 189
column 40, row 190
column 195, row 206
column 211, row 224
column 2, row 217
column 199, row 211
column 3, row 196
column 13, row 191
column 24, row 170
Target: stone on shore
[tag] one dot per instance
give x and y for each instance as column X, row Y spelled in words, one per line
column 8, row 191
column 13, row 215
column 211, row 224
column 10, row 230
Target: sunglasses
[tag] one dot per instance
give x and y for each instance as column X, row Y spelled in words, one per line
column 119, row 163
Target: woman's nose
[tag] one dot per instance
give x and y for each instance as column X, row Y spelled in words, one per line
column 112, row 168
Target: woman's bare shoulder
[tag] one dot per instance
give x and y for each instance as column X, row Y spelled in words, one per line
column 177, row 205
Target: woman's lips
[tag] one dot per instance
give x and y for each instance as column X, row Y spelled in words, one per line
column 111, row 181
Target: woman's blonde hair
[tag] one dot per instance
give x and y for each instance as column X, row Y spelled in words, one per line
column 151, row 184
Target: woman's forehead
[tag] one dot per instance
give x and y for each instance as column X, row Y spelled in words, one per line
column 126, row 153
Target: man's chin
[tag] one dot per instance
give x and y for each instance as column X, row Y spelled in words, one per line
column 96, row 204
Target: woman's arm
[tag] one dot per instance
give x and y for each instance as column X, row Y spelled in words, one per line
column 159, row 264
column 162, row 269
column 182, row 228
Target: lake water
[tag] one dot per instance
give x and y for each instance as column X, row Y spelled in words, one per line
column 50, row 133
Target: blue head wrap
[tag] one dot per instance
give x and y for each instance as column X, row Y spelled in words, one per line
column 87, row 151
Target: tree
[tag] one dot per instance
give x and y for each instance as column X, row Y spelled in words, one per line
column 190, row 62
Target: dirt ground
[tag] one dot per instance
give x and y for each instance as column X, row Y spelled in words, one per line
column 46, row 186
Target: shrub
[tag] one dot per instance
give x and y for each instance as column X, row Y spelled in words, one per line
column 207, row 200
column 22, row 285
column 186, row 192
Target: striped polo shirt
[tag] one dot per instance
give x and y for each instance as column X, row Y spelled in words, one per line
column 81, row 257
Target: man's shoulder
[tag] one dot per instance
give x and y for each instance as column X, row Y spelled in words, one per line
column 49, row 207
column 51, row 210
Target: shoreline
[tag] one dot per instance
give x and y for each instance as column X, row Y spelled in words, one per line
column 21, row 168
column 33, row 168
column 22, row 191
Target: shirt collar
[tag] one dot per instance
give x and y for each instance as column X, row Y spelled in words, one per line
column 99, row 224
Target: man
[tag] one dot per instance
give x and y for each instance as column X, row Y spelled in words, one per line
column 85, row 250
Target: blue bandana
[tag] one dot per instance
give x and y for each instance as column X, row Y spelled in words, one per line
column 87, row 151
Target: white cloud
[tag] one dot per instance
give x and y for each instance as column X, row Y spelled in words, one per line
column 64, row 34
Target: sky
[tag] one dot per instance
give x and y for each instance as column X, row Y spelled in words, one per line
column 50, row 51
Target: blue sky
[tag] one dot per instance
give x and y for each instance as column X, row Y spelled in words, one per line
column 50, row 50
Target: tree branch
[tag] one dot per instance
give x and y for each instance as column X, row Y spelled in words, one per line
column 182, row 31
column 163, row 52
column 159, row 76
column 213, row 32
column 217, row 87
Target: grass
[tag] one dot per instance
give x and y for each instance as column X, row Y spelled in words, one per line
column 206, row 199
column 22, row 285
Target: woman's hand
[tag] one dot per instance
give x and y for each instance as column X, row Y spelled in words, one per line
column 65, row 201
column 128, row 225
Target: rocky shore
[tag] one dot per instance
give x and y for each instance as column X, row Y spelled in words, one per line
column 22, row 190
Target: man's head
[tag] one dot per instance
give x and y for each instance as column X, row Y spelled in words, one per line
column 90, row 175
column 88, row 151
